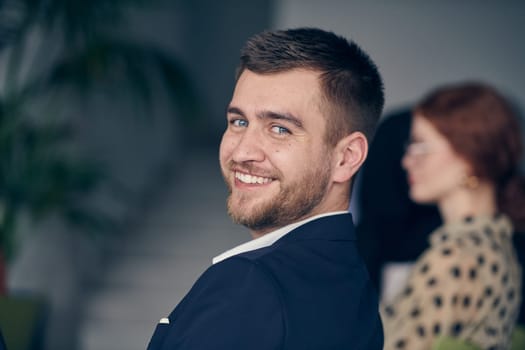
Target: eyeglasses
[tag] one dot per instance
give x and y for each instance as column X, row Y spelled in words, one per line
column 419, row 148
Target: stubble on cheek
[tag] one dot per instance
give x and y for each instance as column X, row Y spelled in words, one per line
column 290, row 204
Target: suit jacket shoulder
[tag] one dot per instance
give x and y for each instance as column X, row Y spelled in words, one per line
column 309, row 290
column 233, row 305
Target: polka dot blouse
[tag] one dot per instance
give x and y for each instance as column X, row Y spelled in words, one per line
column 466, row 285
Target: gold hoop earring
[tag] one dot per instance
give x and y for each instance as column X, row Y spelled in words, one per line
column 471, row 182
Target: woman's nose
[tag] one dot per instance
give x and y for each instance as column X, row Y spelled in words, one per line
column 407, row 161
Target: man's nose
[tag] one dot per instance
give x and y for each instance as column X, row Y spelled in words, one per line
column 249, row 148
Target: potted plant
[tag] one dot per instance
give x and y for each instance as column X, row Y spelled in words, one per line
column 53, row 51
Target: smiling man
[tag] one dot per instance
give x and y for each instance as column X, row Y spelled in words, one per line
column 305, row 104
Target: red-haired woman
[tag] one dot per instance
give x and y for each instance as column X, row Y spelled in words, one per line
column 463, row 156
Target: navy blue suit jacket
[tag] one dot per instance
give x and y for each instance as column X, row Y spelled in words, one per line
column 309, row 290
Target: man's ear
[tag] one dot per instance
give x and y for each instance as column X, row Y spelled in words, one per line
column 350, row 154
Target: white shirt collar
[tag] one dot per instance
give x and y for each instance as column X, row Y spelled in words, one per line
column 269, row 238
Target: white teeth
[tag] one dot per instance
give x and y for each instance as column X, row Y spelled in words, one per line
column 250, row 179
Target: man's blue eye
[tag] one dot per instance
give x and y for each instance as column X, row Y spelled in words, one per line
column 280, row 130
column 239, row 122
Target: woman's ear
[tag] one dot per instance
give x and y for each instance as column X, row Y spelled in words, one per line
column 350, row 154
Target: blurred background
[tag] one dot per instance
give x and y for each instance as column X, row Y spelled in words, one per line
column 111, row 200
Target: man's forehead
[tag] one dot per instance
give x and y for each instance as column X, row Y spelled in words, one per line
column 287, row 90
column 296, row 75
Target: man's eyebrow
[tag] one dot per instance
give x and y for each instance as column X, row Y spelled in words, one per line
column 234, row 110
column 281, row 116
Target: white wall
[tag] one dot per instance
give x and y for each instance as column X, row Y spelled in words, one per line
column 420, row 44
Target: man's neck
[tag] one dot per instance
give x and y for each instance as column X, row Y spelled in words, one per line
column 259, row 233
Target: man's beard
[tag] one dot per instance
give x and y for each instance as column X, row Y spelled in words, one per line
column 293, row 202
